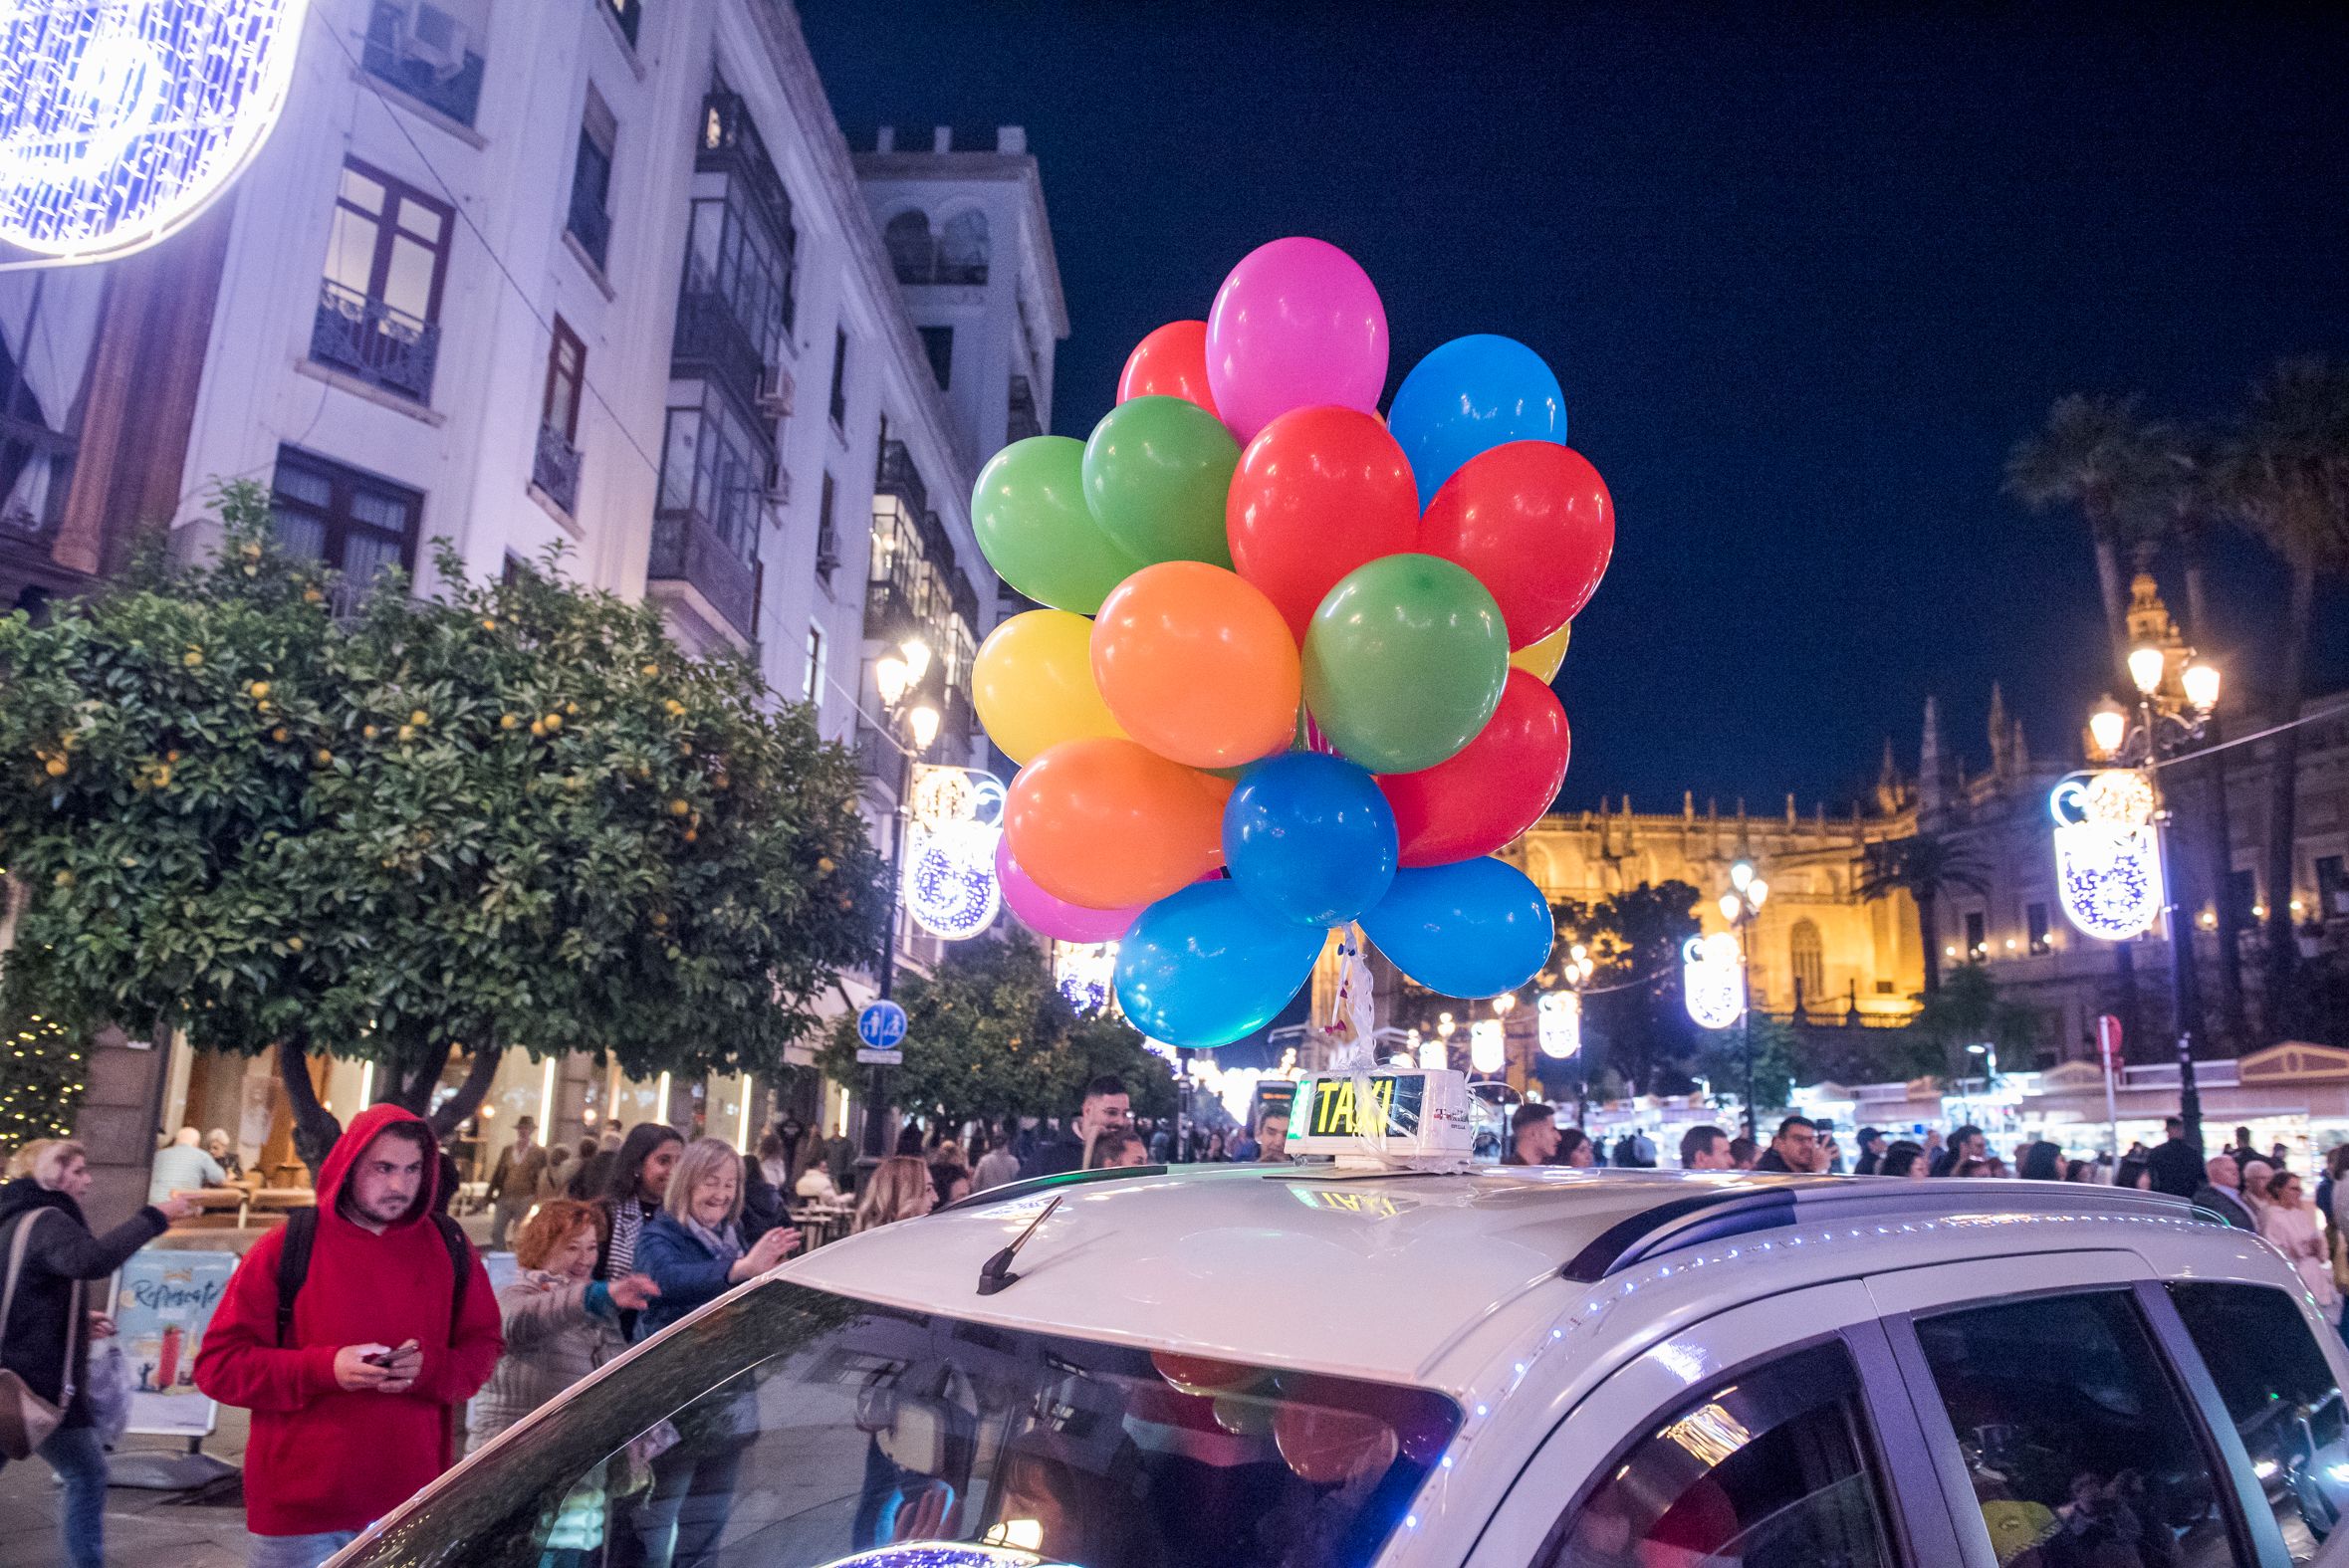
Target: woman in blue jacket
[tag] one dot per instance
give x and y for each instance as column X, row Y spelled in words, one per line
column 693, row 1250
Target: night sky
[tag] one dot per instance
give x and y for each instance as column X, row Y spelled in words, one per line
column 1805, row 280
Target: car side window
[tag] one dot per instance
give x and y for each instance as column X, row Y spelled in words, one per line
column 2078, row 1445
column 1771, row 1470
column 2281, row 1397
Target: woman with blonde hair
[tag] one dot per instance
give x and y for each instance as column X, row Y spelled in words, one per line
column 898, row 1189
column 45, row 1337
column 561, row 1321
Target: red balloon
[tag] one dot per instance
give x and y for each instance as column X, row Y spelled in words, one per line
column 1533, row 520
column 1319, row 492
column 1170, row 362
column 1476, row 800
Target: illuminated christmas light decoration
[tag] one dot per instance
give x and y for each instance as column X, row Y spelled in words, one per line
column 1561, row 1016
column 119, row 121
column 2108, row 855
column 1086, row 973
column 1713, row 980
column 1486, row 1051
column 950, row 887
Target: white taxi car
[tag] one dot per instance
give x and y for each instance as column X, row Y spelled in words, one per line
column 1318, row 1366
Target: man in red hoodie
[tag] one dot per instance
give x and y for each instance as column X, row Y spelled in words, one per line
column 351, row 1405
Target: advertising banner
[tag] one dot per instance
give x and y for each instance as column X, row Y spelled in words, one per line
column 162, row 1302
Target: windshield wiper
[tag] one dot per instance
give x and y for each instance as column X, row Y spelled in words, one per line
column 996, row 1273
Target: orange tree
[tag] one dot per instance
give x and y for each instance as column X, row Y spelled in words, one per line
column 509, row 816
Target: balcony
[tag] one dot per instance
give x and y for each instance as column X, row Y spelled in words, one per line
column 370, row 339
column 895, row 475
column 890, row 611
column 688, row 555
column 712, row 341
column 1021, row 422
column 556, row 469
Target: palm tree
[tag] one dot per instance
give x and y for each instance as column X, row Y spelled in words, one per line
column 2285, row 473
column 1927, row 868
column 2091, row 454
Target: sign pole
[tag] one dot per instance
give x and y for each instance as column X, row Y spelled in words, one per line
column 2108, row 1050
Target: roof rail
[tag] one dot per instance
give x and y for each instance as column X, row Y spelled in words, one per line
column 1684, row 1223
column 1043, row 1184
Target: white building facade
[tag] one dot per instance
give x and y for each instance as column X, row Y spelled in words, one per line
column 600, row 276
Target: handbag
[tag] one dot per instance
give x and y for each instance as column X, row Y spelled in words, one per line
column 26, row 1419
column 107, row 1391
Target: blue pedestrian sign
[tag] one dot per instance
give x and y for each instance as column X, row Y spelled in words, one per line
column 880, row 1027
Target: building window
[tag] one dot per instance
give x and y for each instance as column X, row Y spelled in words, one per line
column 732, row 149
column 2034, row 917
column 2242, row 891
column 907, row 237
column 827, row 534
column 355, row 522
column 630, row 14
column 429, row 49
column 2332, row 888
column 811, row 679
column 387, row 252
column 840, row 377
column 731, row 310
column 555, row 468
column 1978, row 945
column 1808, row 958
column 591, row 179
column 957, row 254
column 36, row 462
column 1020, row 420
column 938, row 343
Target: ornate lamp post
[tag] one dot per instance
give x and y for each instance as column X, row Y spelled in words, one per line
column 2106, row 818
column 1739, row 906
column 910, row 725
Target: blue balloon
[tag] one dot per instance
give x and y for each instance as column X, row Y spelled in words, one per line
column 1474, row 928
column 1311, row 838
column 1205, row 965
column 1469, row 396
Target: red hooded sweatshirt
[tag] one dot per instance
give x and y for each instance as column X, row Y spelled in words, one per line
column 323, row 1458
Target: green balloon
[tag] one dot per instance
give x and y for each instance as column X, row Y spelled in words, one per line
column 1155, row 475
column 1029, row 512
column 1404, row 662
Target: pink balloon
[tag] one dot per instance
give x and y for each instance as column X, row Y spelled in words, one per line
column 1297, row 325
column 1056, row 917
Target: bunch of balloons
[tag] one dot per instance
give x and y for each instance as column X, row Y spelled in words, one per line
column 1294, row 668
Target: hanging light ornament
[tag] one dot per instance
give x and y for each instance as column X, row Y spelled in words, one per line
column 118, row 122
column 1086, row 972
column 1561, row 1016
column 1484, row 1049
column 950, row 886
column 1711, row 979
column 2108, row 859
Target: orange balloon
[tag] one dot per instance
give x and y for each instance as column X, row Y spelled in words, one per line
column 1170, row 362
column 1198, row 665
column 1104, row 823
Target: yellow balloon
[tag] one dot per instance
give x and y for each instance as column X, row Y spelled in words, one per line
column 1033, row 684
column 1542, row 659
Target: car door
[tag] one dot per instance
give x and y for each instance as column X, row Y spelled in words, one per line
column 2069, row 1419
column 1757, row 1435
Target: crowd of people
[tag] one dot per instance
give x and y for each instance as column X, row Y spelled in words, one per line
column 358, row 1332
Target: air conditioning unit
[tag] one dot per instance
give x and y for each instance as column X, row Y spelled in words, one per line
column 429, row 36
column 779, row 486
column 776, row 392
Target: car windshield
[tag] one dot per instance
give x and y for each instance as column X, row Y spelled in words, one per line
column 791, row 1429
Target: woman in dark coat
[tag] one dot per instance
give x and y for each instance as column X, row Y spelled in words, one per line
column 60, row 1257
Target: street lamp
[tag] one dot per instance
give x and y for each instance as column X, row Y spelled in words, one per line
column 1741, row 906
column 910, row 724
column 2107, row 813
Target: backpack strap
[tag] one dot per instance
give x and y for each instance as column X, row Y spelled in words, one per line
column 453, row 1236
column 292, row 1266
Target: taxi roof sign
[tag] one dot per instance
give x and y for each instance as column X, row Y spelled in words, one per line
column 1383, row 1116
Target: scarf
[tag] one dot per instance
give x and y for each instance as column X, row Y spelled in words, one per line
column 724, row 1245
column 627, row 1218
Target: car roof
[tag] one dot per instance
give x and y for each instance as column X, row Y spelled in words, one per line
column 1371, row 1275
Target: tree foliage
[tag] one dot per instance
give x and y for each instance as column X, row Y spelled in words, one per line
column 510, row 815
column 990, row 1035
column 1635, row 1020
column 1927, row 868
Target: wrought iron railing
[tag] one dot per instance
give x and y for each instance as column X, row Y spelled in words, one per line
column 555, row 468
column 710, row 337
column 686, row 548
column 369, row 338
